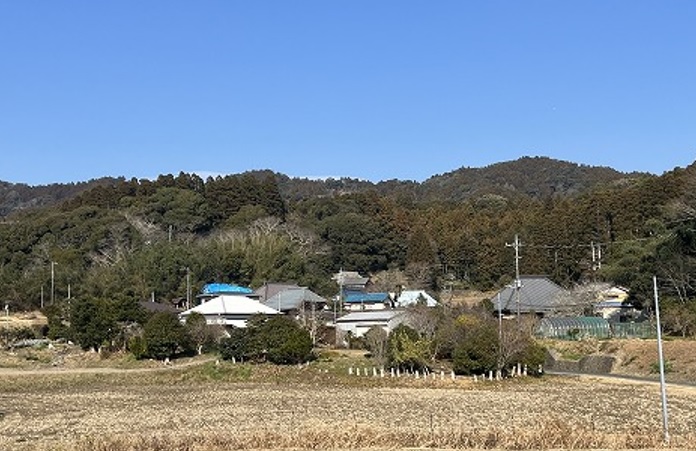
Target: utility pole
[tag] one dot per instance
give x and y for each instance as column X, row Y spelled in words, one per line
column 661, row 358
column 53, row 281
column 517, row 244
column 596, row 255
column 188, row 288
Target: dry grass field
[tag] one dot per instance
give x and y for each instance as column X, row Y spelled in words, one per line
column 222, row 407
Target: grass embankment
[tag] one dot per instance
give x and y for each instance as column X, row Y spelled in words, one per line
column 635, row 357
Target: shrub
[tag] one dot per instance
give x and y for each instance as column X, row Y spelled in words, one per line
column 407, row 350
column 137, row 347
column 91, row 322
column 165, row 336
column 238, row 346
column 278, row 339
column 476, row 355
column 295, row 348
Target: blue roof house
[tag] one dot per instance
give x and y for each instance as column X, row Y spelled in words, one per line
column 366, row 301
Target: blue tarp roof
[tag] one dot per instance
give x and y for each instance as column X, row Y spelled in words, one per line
column 225, row 288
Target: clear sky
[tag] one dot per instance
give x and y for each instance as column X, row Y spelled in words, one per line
column 362, row 88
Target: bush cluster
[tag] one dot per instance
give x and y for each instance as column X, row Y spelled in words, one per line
column 276, row 339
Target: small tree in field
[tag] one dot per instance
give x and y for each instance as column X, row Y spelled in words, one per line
column 407, row 350
column 277, row 339
column 376, row 341
column 91, row 322
column 238, row 346
column 202, row 335
column 165, row 336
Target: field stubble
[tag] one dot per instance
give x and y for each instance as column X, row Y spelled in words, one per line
column 248, row 408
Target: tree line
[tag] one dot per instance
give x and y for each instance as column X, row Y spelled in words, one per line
column 132, row 239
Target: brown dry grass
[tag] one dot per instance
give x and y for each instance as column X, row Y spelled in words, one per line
column 210, row 408
column 636, row 357
column 23, row 319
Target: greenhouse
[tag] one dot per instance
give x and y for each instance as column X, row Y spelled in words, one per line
column 574, row 328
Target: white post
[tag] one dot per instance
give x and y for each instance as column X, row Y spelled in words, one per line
column 350, row 370
column 663, row 389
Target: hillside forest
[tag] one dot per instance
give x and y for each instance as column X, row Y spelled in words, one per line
column 125, row 240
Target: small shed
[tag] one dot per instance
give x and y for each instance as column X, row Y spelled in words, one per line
column 358, row 323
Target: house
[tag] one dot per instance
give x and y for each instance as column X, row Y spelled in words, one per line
column 270, row 289
column 535, row 294
column 366, row 301
column 295, row 300
column 213, row 290
column 229, row 310
column 358, row 323
column 413, row 297
column 614, row 305
column 351, row 282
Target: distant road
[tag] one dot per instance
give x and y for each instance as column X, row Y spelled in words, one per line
column 621, row 377
column 101, row 370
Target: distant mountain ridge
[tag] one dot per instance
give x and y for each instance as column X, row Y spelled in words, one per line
column 526, row 177
column 19, row 196
column 535, row 177
column 530, row 177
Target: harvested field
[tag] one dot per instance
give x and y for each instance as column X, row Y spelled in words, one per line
column 243, row 407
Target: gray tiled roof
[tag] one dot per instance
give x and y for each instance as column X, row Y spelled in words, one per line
column 536, row 294
column 268, row 290
column 293, row 298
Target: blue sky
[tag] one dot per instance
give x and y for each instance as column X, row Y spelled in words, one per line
column 369, row 89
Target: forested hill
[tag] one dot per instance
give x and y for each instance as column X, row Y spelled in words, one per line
column 533, row 177
column 126, row 239
column 527, row 177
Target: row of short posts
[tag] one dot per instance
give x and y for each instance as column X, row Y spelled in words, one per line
column 396, row 372
column 518, row 370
